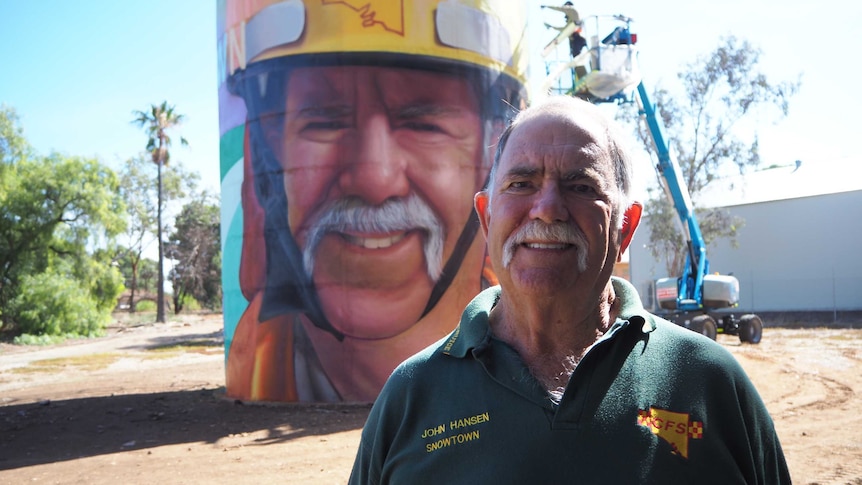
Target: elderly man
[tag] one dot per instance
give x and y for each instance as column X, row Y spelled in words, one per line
column 559, row 375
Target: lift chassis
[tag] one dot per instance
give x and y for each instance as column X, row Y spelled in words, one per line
column 748, row 327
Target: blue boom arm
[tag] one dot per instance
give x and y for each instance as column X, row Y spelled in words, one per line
column 690, row 289
column 690, row 283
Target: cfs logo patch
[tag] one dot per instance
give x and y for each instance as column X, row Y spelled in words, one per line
column 675, row 428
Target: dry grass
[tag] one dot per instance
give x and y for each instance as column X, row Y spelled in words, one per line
column 83, row 362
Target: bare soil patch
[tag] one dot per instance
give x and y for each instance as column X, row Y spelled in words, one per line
column 146, row 404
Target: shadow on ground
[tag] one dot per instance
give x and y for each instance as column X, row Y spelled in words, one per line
column 214, row 340
column 54, row 431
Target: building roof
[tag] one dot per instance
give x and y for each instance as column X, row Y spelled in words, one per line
column 794, row 180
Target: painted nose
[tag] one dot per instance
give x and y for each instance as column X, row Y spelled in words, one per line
column 548, row 205
column 376, row 168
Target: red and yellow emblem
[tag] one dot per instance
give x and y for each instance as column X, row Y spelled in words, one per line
column 675, row 428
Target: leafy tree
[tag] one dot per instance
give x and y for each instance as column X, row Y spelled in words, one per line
column 139, row 189
column 135, row 187
column 139, row 276
column 53, row 209
column 702, row 130
column 103, row 278
column 157, row 121
column 148, row 274
column 195, row 245
column 13, row 145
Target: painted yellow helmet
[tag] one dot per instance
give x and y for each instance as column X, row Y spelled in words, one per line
column 488, row 34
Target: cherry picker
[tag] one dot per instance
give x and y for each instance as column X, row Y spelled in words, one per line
column 605, row 72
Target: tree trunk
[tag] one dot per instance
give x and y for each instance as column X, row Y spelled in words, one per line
column 134, row 287
column 160, row 289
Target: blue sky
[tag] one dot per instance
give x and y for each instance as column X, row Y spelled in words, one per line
column 75, row 71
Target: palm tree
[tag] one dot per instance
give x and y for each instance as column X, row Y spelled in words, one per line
column 156, row 122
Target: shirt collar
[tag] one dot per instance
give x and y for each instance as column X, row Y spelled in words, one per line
column 631, row 308
column 474, row 330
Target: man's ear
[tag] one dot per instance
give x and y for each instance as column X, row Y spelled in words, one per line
column 631, row 219
column 480, row 202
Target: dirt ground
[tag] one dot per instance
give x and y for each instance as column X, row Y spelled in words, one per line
column 146, row 404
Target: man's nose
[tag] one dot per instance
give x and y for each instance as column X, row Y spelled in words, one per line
column 549, row 205
column 376, row 166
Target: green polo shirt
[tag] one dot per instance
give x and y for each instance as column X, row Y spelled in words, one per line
column 651, row 402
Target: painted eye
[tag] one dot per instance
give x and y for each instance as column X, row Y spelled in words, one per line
column 325, row 125
column 323, row 130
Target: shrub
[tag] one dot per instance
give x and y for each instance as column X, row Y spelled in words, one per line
column 106, row 286
column 146, row 306
column 51, row 304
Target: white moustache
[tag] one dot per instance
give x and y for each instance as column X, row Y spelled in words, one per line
column 539, row 235
column 353, row 215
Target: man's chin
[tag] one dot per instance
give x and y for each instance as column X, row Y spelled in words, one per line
column 374, row 314
column 372, row 328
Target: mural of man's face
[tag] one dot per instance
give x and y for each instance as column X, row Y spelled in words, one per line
column 380, row 165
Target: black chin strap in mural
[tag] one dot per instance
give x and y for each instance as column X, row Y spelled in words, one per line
column 453, row 265
column 288, row 289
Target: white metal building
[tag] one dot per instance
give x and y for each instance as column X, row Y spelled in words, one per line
column 798, row 254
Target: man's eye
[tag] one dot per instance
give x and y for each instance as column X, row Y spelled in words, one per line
column 422, row 126
column 519, row 185
column 583, row 189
